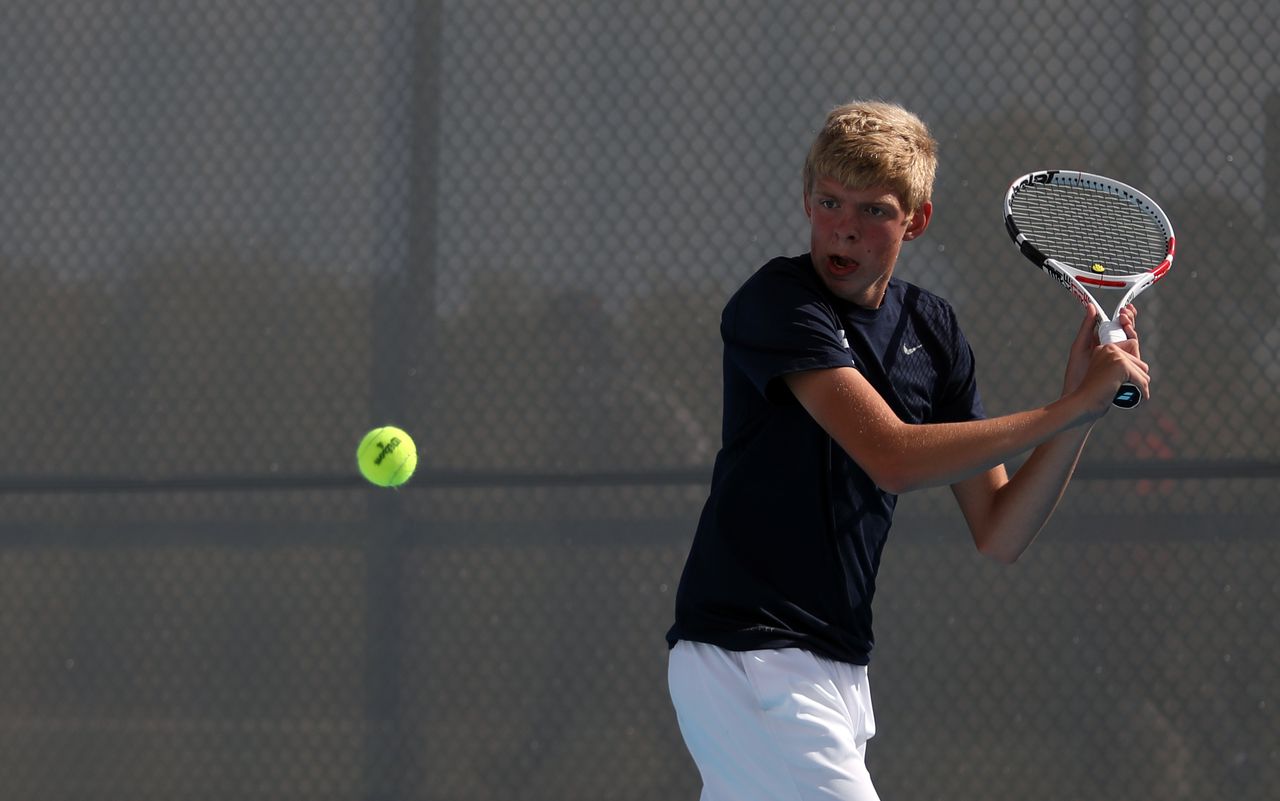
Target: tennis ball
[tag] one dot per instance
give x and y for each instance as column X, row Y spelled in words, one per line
column 387, row 456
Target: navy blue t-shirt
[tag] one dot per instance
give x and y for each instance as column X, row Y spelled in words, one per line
column 789, row 542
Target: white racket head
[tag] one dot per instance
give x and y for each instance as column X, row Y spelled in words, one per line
column 1100, row 231
column 1090, row 231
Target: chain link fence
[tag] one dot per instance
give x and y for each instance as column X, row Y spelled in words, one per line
column 235, row 235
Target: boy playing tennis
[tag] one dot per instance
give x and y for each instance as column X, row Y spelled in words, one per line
column 844, row 387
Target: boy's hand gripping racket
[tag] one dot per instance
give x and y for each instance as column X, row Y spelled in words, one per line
column 1090, row 231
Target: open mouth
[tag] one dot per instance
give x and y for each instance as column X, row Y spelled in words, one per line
column 842, row 265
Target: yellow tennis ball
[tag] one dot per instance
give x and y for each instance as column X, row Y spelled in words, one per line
column 387, row 456
column 1097, row 268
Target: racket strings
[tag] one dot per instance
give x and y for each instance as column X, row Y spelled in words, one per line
column 1090, row 230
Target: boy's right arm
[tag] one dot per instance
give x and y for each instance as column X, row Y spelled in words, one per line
column 901, row 457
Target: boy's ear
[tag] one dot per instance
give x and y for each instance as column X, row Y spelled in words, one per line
column 919, row 220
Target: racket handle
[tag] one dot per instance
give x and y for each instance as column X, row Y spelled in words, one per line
column 1128, row 395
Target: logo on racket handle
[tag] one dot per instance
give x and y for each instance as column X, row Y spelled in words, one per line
column 1128, row 397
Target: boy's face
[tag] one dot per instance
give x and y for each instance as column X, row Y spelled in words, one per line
column 855, row 236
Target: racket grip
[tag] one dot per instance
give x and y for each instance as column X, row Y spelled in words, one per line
column 1110, row 332
column 1128, row 395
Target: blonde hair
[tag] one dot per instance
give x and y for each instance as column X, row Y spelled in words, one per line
column 870, row 143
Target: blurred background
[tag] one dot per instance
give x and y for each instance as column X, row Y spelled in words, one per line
column 236, row 234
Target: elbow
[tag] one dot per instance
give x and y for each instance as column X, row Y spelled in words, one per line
column 895, row 479
column 999, row 549
column 896, row 469
column 886, row 456
column 1000, row 556
column 894, row 484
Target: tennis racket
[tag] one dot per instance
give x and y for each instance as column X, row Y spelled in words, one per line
column 1088, row 231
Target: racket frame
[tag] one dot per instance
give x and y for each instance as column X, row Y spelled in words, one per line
column 1076, row 279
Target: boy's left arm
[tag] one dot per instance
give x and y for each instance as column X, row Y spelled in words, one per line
column 1006, row 513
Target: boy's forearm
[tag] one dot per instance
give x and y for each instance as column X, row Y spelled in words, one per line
column 944, row 453
column 1022, row 507
column 900, row 456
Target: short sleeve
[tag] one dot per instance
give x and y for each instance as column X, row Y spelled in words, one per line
column 779, row 323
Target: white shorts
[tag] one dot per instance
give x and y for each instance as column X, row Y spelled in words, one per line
column 782, row 725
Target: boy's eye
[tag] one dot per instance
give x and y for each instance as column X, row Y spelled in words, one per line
column 828, row 203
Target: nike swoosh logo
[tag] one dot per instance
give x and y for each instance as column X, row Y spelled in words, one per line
column 910, row 351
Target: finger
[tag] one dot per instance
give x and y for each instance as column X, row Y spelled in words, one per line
column 1088, row 327
column 1131, row 344
column 1143, row 382
column 1129, row 323
column 1139, row 372
column 1129, row 349
column 1128, row 320
column 1130, row 364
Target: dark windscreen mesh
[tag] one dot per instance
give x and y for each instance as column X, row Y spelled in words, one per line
column 236, row 235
